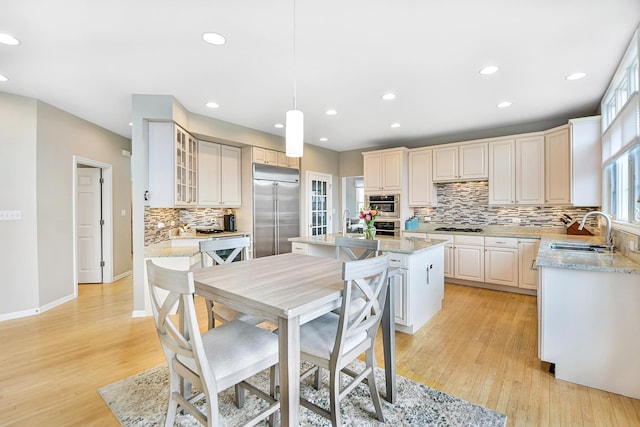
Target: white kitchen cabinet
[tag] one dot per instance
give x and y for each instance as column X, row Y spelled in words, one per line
column 219, row 175
column 288, row 162
column 469, row 257
column 173, row 166
column 275, row 158
column 516, row 171
column 501, row 261
column 460, row 162
column 557, row 153
column 422, row 190
column 418, row 287
column 527, row 273
column 385, row 170
column 449, row 253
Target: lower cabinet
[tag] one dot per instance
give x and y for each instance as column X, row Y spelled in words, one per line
column 501, row 261
column 469, row 257
column 527, row 272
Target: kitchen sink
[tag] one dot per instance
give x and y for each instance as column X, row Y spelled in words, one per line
column 580, row 247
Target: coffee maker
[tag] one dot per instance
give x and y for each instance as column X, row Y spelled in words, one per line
column 229, row 222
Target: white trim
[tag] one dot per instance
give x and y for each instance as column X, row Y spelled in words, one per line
column 139, row 313
column 123, row 275
column 35, row 311
column 624, row 226
column 307, row 196
column 57, row 302
column 107, row 213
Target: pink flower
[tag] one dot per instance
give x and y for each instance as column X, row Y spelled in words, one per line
column 368, row 217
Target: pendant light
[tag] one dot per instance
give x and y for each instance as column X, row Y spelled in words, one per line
column 294, row 136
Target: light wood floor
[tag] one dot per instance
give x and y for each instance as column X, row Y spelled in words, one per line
column 481, row 347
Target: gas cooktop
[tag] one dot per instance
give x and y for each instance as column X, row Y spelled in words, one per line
column 460, row 230
column 209, row 230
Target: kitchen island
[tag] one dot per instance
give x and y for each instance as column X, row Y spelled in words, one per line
column 589, row 317
column 419, row 285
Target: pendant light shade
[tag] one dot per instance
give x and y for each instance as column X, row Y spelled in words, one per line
column 294, row 133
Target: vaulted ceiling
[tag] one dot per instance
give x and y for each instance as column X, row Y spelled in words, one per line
column 88, row 58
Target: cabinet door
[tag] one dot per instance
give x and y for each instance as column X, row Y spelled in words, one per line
column 472, row 161
column 181, row 174
column 230, row 176
column 530, row 170
column 501, row 266
column 422, row 192
column 271, row 157
column 372, row 171
column 449, row 261
column 469, row 262
column 293, row 162
column 392, row 171
column 527, row 275
column 259, row 155
column 502, row 162
column 586, row 161
column 557, row 167
column 400, row 297
column 445, row 164
column 209, row 174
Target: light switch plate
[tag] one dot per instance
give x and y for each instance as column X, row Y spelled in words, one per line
column 10, row 215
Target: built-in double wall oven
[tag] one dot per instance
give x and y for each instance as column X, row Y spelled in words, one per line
column 388, row 221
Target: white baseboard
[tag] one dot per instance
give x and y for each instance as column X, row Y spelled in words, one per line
column 34, row 311
column 140, row 313
column 123, row 275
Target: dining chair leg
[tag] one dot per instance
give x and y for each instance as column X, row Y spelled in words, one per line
column 334, row 397
column 210, row 319
column 239, row 396
column 371, row 380
column 318, row 378
column 273, row 392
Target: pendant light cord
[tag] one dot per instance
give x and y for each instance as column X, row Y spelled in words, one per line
column 294, row 56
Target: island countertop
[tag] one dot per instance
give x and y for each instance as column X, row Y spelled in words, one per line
column 387, row 244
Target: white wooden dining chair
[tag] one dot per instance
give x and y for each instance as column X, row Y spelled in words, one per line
column 210, row 250
column 333, row 341
column 212, row 361
column 369, row 247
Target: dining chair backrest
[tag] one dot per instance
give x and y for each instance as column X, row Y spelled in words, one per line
column 236, row 245
column 181, row 346
column 365, row 279
column 369, row 247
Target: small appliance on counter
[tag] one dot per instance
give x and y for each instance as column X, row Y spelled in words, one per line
column 411, row 223
column 229, row 222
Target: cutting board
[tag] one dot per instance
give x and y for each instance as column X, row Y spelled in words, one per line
column 573, row 230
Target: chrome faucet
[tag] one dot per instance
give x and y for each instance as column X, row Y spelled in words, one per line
column 346, row 221
column 609, row 241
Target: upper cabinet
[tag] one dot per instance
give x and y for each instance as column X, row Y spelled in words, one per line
column 460, row 162
column 385, row 170
column 422, row 190
column 516, row 171
column 275, row 158
column 573, row 164
column 173, row 166
column 219, row 175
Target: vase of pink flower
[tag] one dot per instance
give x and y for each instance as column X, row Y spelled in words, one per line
column 368, row 215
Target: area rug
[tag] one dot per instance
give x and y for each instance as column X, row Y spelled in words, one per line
column 140, row 401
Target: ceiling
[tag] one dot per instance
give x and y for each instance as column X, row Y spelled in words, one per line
column 88, row 58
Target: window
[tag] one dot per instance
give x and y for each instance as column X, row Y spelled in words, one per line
column 622, row 187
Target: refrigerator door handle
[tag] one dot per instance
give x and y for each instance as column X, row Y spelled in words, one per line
column 276, row 231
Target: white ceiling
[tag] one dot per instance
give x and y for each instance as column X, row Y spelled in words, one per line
column 89, row 57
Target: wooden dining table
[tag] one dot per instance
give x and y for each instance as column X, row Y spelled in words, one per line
column 289, row 290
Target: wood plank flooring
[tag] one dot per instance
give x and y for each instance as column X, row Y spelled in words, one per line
column 481, row 347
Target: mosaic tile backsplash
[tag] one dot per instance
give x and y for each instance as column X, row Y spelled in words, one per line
column 468, row 203
column 201, row 217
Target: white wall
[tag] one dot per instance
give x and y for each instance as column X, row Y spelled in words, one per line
column 18, row 241
column 37, row 143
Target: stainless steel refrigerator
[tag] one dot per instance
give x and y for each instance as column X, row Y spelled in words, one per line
column 276, row 194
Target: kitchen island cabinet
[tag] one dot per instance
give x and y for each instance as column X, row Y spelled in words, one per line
column 418, row 285
column 589, row 318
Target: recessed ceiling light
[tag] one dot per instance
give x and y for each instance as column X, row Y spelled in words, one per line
column 7, row 39
column 212, row 104
column 3, row 78
column 576, row 76
column 489, row 69
column 504, row 104
column 214, row 38
column 331, row 112
column 278, row 125
column 389, row 96
column 130, row 124
column 395, row 125
column 324, row 139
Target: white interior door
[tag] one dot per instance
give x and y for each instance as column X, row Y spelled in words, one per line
column 89, row 225
column 319, row 209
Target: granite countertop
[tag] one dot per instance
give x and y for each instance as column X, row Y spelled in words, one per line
column 197, row 235
column 164, row 249
column 594, row 261
column 387, row 244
